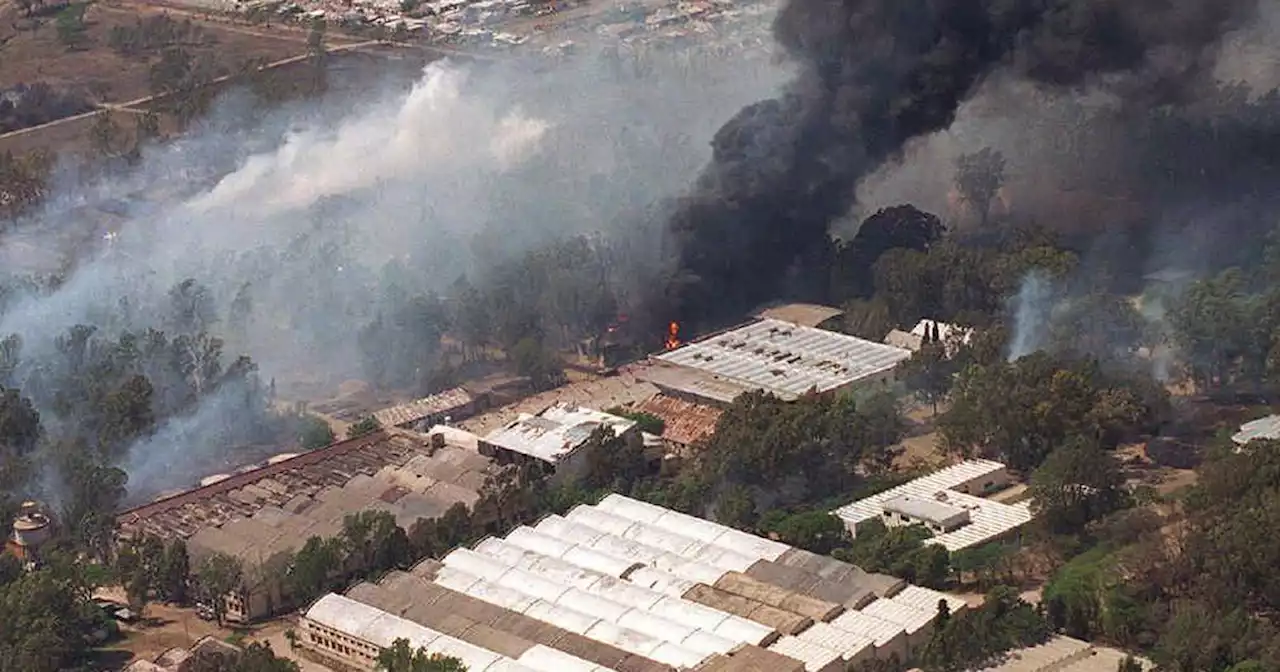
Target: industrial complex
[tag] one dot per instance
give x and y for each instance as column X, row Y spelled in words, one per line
column 627, row 585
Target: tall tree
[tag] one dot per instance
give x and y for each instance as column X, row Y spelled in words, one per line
column 1077, row 484
column 217, row 575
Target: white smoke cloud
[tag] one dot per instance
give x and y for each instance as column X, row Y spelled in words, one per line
column 1032, row 309
column 312, row 212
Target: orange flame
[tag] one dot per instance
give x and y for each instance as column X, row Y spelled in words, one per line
column 673, row 336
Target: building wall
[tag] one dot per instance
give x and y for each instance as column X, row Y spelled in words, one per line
column 986, row 484
column 338, row 646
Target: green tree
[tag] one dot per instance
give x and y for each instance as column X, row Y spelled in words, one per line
column 815, row 531
column 400, row 657
column 138, row 590
column 317, row 57
column 315, row 567
column 979, row 177
column 70, row 24
column 1077, row 484
column 217, row 575
column 1021, row 411
column 375, row 541
column 363, row 427
column 929, row 374
column 174, row 572
column 645, row 422
column 532, row 360
column 106, row 137
column 314, row 432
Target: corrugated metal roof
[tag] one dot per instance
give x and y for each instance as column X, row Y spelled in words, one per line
column 533, row 540
column 804, row 314
column 661, row 581
column 785, row 359
column 910, row 618
column 600, row 520
column 725, row 537
column 850, row 645
column 684, row 422
column 816, row 658
column 555, row 432
column 926, row 599
column 568, row 531
column 448, row 401
column 547, row 659
column 879, row 630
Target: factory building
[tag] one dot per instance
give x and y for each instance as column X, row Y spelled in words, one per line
column 950, row 503
column 782, row 358
column 554, row 438
column 629, row 586
column 261, row 515
column 445, row 407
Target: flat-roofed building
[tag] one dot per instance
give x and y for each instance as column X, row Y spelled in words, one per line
column 784, row 359
column 553, row 438
column 948, row 504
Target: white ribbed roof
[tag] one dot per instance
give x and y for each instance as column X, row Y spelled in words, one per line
column 786, row 359
column 849, row 644
column 738, row 545
column 910, row 618
column 988, row 519
column 546, row 659
column 926, row 599
column 814, row 656
column 879, row 630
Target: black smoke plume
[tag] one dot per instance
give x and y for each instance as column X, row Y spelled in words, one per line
column 877, row 73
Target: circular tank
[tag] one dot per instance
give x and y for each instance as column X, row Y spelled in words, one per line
column 282, row 457
column 216, row 478
column 31, row 528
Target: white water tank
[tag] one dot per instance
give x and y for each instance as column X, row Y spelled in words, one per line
column 32, row 527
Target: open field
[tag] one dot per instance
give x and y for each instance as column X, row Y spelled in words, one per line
column 32, row 52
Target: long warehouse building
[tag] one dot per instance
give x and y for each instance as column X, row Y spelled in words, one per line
column 629, row 586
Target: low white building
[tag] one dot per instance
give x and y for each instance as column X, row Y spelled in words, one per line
column 553, row 438
column 949, row 504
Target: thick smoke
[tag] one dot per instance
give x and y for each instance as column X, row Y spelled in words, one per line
column 876, row 74
column 305, row 224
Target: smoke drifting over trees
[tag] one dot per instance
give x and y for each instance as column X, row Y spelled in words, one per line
column 876, row 74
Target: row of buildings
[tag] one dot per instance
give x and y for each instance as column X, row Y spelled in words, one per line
column 416, row 469
column 627, row 585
